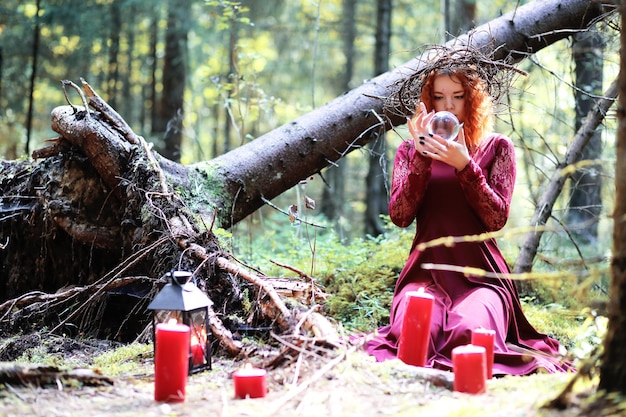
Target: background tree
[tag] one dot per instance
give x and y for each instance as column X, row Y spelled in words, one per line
column 170, row 110
column 151, row 83
column 613, row 367
column 113, row 75
column 33, row 78
column 377, row 197
column 333, row 194
column 585, row 203
column 460, row 16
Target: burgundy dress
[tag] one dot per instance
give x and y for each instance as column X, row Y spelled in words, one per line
column 472, row 201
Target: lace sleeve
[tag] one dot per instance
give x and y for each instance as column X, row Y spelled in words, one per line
column 411, row 173
column 491, row 197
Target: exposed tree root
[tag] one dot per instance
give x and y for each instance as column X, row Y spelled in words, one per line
column 159, row 232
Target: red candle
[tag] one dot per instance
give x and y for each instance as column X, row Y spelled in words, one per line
column 171, row 361
column 470, row 369
column 485, row 338
column 197, row 350
column 415, row 333
column 250, row 382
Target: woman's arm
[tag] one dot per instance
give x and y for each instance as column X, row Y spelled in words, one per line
column 411, row 172
column 491, row 197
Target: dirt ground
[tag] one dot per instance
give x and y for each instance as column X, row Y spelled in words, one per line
column 348, row 383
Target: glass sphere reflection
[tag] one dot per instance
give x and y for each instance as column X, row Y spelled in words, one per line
column 444, row 124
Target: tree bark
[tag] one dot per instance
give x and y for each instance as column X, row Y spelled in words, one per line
column 376, row 201
column 333, row 194
column 33, row 77
column 585, row 203
column 174, row 76
column 460, row 18
column 613, row 368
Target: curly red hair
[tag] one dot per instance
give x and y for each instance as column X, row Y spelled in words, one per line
column 478, row 103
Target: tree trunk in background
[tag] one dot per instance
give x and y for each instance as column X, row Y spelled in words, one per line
column 33, row 77
column 114, row 51
column 231, row 77
column 613, row 367
column 126, row 79
column 333, row 194
column 586, row 185
column 377, row 174
column 215, row 150
column 174, row 78
column 459, row 17
column 152, row 96
column 1, row 76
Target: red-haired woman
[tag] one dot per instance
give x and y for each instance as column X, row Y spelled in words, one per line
column 460, row 187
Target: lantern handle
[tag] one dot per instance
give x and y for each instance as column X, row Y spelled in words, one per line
column 174, row 278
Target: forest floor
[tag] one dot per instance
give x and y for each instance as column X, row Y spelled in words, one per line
column 347, row 383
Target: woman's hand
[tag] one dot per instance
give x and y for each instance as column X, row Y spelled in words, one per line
column 452, row 152
column 418, row 125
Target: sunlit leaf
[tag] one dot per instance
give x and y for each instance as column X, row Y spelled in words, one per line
column 309, row 202
column 293, row 213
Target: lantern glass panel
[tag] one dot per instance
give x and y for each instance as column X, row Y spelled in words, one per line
column 200, row 345
column 166, row 316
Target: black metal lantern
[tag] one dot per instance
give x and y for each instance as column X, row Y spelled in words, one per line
column 181, row 301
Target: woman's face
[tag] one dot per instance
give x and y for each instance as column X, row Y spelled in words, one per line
column 449, row 95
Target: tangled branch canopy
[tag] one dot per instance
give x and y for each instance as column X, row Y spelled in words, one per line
column 497, row 74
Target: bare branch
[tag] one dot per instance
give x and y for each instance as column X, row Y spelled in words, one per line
column 555, row 186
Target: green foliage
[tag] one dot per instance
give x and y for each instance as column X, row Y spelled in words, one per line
column 590, row 334
column 228, row 11
column 361, row 278
column 556, row 321
column 125, row 359
column 41, row 355
column 63, row 352
column 358, row 276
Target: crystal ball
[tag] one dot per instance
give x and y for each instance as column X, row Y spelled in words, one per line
column 444, row 124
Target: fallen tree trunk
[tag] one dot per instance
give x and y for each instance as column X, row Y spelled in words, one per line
column 101, row 205
column 297, row 150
